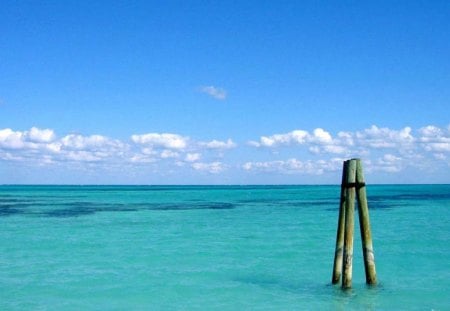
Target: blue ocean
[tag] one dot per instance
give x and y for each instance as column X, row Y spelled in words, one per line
column 217, row 248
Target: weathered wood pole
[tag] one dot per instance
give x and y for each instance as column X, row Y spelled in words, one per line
column 349, row 224
column 364, row 226
column 338, row 253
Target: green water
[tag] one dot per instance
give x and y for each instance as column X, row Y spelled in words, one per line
column 216, row 248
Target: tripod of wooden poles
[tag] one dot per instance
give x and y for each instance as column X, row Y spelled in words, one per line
column 353, row 183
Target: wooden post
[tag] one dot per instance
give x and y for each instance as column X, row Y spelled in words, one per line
column 349, row 224
column 364, row 226
column 338, row 253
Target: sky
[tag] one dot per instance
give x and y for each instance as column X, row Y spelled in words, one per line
column 223, row 92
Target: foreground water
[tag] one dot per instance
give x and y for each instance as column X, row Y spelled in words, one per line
column 216, row 248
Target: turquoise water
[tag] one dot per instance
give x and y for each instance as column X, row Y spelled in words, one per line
column 216, row 248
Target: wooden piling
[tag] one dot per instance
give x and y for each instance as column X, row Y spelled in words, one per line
column 338, row 253
column 349, row 224
column 364, row 226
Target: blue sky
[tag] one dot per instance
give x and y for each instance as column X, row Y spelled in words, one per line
column 209, row 92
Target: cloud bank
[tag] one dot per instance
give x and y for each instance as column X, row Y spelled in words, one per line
column 298, row 152
column 383, row 149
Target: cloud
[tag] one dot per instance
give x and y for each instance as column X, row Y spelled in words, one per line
column 376, row 137
column 387, row 163
column 165, row 140
column 217, row 144
column 10, row 139
column 316, row 152
column 41, row 145
column 92, row 142
column 435, row 139
column 359, row 142
column 383, row 149
column 319, row 141
column 167, row 154
column 26, row 139
column 192, row 157
column 321, row 136
column 295, row 166
column 41, row 135
column 294, row 137
column 150, row 146
column 215, row 92
column 212, row 168
column 84, row 156
column 141, row 158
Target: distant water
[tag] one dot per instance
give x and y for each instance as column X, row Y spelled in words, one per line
column 216, row 248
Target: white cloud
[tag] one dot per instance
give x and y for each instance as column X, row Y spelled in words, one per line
column 41, row 135
column 93, row 142
column 387, row 163
column 171, row 146
column 435, row 139
column 165, row 140
column 319, row 141
column 192, row 157
column 166, row 154
column 8, row 156
column 297, row 136
column 322, row 136
column 382, row 149
column 295, row 166
column 346, row 138
column 31, row 139
column 430, row 132
column 438, row 147
column 376, row 137
column 215, row 92
column 213, row 167
column 83, row 156
column 440, row 156
column 41, row 145
column 10, row 139
column 217, row 144
column 141, row 158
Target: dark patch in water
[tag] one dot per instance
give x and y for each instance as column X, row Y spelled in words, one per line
column 16, row 205
column 197, row 206
column 372, row 206
column 30, row 204
column 332, row 209
column 265, row 201
column 8, row 210
column 270, row 282
column 410, row 196
column 381, row 205
column 12, row 209
column 10, row 200
column 76, row 209
column 69, row 212
column 289, row 202
column 38, row 197
column 310, row 203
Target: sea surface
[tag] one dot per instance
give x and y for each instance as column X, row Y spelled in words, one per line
column 217, row 248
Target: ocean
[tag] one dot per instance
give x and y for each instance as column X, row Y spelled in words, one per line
column 217, row 248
